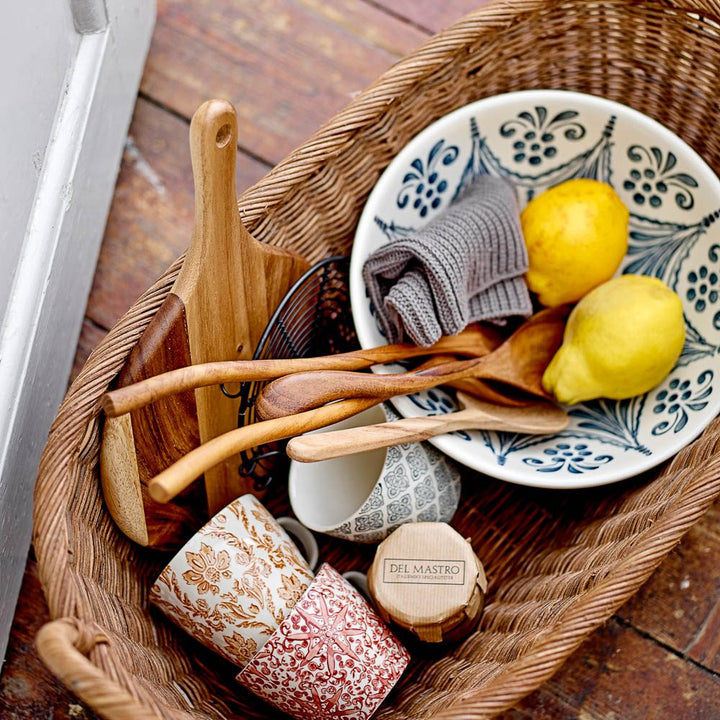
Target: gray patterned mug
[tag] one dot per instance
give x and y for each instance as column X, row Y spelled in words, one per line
column 364, row 497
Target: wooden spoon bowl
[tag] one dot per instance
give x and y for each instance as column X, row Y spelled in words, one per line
column 519, row 362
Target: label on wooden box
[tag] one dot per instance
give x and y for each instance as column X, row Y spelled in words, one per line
column 427, row 579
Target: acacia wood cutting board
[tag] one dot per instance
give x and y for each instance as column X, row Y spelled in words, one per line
column 217, row 309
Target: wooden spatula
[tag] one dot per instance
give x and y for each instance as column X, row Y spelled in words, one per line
column 226, row 292
column 541, row 418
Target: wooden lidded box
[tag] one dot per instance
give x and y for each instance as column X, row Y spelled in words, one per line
column 426, row 579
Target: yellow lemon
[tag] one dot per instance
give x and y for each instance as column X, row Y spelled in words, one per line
column 621, row 340
column 576, row 235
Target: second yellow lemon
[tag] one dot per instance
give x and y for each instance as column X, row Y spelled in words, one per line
column 621, row 340
column 576, row 235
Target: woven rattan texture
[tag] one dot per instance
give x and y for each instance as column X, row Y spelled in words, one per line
column 558, row 565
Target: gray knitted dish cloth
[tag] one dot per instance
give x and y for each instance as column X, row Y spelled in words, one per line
column 465, row 265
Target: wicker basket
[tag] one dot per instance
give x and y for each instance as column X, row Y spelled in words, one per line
column 559, row 565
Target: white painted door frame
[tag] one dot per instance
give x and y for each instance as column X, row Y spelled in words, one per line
column 56, row 251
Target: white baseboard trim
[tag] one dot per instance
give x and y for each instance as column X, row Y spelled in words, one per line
column 47, row 302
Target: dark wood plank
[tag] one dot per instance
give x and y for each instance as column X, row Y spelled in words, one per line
column 617, row 674
column 28, row 690
column 706, row 645
column 680, row 605
column 432, row 15
column 363, row 21
column 286, row 65
column 151, row 217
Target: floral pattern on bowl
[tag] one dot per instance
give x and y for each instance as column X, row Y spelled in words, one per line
column 537, row 139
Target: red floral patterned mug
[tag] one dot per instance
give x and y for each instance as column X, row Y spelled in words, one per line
column 236, row 579
column 332, row 656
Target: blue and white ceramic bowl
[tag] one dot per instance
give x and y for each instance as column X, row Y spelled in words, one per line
column 539, row 138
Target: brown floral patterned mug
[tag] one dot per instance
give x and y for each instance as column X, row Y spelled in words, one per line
column 236, row 579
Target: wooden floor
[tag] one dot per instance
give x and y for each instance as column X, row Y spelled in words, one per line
column 288, row 65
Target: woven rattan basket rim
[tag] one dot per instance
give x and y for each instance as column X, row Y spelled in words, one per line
column 74, row 437
column 300, row 164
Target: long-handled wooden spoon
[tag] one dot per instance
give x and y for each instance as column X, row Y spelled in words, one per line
column 173, row 480
column 474, row 341
column 539, row 419
column 519, row 362
column 169, row 483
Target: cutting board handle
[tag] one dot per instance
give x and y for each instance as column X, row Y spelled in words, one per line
column 213, row 153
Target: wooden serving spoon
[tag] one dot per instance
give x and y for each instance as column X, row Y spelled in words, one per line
column 177, row 477
column 539, row 419
column 474, row 341
column 519, row 362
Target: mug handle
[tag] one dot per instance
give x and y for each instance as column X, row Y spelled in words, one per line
column 304, row 537
column 359, row 580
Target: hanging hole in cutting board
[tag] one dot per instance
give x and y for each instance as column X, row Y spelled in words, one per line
column 223, row 135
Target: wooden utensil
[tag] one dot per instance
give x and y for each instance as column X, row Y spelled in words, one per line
column 544, row 338
column 227, row 290
column 176, row 478
column 475, row 341
column 519, row 362
column 539, row 419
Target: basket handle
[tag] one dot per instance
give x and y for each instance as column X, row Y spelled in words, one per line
column 62, row 645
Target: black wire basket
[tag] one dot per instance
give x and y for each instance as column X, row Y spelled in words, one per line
column 313, row 319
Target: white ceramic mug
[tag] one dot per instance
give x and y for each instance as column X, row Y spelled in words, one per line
column 364, row 497
column 236, row 579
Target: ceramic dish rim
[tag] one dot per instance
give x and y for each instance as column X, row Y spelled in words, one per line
column 447, row 443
